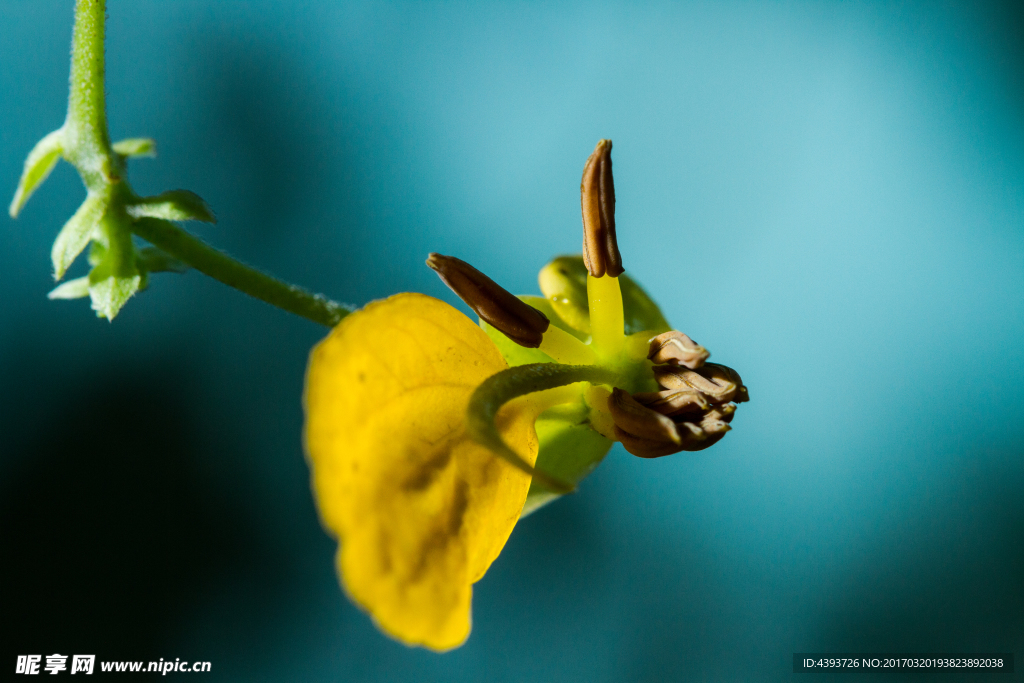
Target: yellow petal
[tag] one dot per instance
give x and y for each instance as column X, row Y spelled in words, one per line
column 420, row 509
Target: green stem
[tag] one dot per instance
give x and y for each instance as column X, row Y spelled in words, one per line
column 221, row 267
column 499, row 389
column 85, row 143
column 86, row 139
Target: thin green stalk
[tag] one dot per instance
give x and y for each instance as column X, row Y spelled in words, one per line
column 221, row 267
column 499, row 389
column 86, row 138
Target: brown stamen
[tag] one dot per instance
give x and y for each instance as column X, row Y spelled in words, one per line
column 676, row 348
column 640, row 421
column 720, row 384
column 724, row 412
column 597, row 199
column 672, row 402
column 692, row 438
column 518, row 321
column 646, row 448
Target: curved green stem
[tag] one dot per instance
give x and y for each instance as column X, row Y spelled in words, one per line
column 221, row 267
column 501, row 388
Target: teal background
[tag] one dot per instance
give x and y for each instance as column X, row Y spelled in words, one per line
column 827, row 195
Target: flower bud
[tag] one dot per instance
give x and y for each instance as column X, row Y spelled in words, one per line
column 597, row 199
column 676, row 348
column 518, row 321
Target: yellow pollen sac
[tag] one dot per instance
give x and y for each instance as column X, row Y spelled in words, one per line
column 419, row 508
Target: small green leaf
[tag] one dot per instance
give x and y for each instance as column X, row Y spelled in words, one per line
column 176, row 205
column 110, row 294
column 38, row 164
column 153, row 260
column 72, row 289
column 116, row 277
column 76, row 233
column 136, row 147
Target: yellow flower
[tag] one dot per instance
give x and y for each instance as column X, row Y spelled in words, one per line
column 423, row 442
column 421, row 509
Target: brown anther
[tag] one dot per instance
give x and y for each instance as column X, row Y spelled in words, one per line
column 639, row 421
column 724, row 412
column 676, row 348
column 713, row 426
column 718, row 383
column 692, row 438
column 708, row 438
column 518, row 321
column 723, row 375
column 672, row 402
column 597, row 199
column 646, row 448
column 643, row 434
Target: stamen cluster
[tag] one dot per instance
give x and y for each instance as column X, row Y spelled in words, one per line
column 695, row 401
column 691, row 412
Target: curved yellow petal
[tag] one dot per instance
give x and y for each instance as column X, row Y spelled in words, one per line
column 420, row 509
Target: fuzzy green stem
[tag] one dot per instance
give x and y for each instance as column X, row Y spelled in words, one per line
column 221, row 267
column 86, row 139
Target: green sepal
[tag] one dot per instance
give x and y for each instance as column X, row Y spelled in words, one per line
column 135, row 147
column 545, row 307
column 115, row 278
column 569, row 449
column 72, row 289
column 175, row 205
column 110, row 294
column 564, row 284
column 77, row 232
column 639, row 309
column 38, row 164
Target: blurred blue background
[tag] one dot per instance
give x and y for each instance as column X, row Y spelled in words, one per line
column 828, row 195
